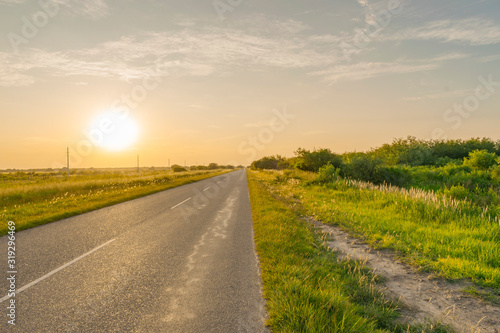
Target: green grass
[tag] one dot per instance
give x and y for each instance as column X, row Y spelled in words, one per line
column 307, row 288
column 33, row 199
column 455, row 239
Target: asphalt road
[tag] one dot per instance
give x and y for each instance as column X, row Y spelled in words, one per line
column 182, row 260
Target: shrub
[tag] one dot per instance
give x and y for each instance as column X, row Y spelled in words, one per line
column 178, row 168
column 327, row 174
column 495, row 173
column 481, row 160
column 394, row 175
column 457, row 192
column 362, row 167
column 213, row 166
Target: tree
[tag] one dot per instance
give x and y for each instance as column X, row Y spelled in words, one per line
column 314, row 160
column 178, row 168
column 213, row 166
column 268, row 162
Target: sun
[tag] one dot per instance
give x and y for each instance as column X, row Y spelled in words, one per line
column 114, row 131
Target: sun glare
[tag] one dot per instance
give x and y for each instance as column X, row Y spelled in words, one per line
column 114, row 131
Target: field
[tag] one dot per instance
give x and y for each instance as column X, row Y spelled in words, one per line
column 308, row 289
column 34, row 198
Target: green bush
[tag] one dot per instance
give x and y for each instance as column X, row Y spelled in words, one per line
column 362, row 167
column 327, row 174
column 457, row 192
column 495, row 173
column 178, row 168
column 481, row 160
column 394, row 175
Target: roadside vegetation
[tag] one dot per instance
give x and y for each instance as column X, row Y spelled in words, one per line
column 435, row 202
column 34, row 198
column 461, row 169
column 307, row 288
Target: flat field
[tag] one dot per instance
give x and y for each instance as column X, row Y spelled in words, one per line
column 34, row 198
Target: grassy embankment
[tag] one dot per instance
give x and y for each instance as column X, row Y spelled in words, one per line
column 32, row 199
column 455, row 239
column 307, row 288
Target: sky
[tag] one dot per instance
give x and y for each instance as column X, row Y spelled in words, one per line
column 230, row 81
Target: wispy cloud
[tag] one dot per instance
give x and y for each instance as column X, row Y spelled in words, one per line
column 204, row 49
column 185, row 52
column 438, row 95
column 95, row 9
column 473, row 31
column 366, row 70
column 11, row 2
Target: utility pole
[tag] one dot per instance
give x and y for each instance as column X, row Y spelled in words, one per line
column 138, row 163
column 67, row 160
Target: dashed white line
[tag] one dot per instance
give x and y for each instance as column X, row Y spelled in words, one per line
column 181, row 203
column 56, row 270
column 207, row 188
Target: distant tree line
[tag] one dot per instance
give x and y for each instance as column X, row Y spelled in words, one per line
column 211, row 166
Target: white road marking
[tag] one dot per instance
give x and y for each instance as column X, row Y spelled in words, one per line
column 181, row 203
column 56, row 270
column 207, row 188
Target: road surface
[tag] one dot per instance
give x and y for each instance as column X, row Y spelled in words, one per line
column 182, row 260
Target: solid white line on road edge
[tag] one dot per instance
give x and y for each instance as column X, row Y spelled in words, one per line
column 56, row 270
column 207, row 188
column 181, row 203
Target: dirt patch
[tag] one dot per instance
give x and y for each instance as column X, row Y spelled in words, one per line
column 426, row 297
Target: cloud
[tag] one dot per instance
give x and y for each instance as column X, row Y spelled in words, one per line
column 489, row 58
column 12, row 74
column 438, row 95
column 94, row 9
column 183, row 52
column 11, row 2
column 366, row 70
column 203, row 50
column 472, row 31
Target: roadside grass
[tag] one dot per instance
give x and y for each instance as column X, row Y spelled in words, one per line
column 455, row 239
column 307, row 288
column 34, row 199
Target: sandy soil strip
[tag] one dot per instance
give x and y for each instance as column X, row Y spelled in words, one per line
column 426, row 297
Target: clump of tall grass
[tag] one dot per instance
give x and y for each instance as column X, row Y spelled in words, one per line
column 435, row 200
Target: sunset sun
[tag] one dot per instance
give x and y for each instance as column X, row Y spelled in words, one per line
column 114, row 131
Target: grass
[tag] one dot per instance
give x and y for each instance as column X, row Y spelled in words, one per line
column 33, row 199
column 453, row 238
column 307, row 288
